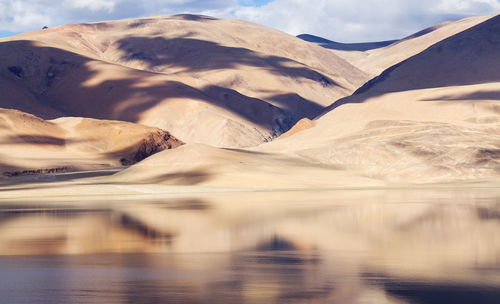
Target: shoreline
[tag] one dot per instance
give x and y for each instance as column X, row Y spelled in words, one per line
column 91, row 186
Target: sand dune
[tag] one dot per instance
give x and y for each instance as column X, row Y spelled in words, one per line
column 206, row 80
column 31, row 145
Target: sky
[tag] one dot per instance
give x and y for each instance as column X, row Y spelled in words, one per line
column 339, row 20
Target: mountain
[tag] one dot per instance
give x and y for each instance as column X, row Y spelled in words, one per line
column 205, row 80
column 361, row 46
column 30, row 145
column 467, row 58
column 377, row 60
column 433, row 118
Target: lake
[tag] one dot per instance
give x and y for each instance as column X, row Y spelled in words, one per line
column 344, row 246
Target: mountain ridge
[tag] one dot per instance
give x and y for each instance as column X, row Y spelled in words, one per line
column 199, row 71
column 354, row 46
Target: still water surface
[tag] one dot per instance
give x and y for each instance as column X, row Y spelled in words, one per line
column 393, row 246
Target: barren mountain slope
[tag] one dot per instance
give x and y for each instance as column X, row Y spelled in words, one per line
column 30, row 145
column 205, row 166
column 467, row 58
column 377, row 60
column 433, row 118
column 196, row 45
column 220, row 82
column 399, row 138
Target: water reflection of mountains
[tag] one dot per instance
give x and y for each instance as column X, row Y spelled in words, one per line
column 369, row 241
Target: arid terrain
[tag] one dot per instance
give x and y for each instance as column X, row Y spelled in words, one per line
column 255, row 107
column 190, row 159
column 203, row 79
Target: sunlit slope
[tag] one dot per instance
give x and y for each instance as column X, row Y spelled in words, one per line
column 205, row 166
column 213, row 81
column 31, row 145
column 432, row 118
column 377, row 60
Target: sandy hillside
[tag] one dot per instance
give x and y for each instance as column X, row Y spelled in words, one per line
column 201, row 165
column 399, row 138
column 467, row 58
column 30, row 145
column 377, row 60
column 206, row 80
column 432, row 119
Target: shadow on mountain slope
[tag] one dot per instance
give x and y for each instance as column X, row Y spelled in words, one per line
column 58, row 83
column 467, row 58
column 194, row 55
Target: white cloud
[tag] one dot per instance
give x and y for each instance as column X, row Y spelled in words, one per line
column 468, row 7
column 342, row 20
column 28, row 15
column 92, row 5
column 18, row 16
column 359, row 20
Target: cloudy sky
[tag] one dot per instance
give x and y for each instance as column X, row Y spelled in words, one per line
column 340, row 20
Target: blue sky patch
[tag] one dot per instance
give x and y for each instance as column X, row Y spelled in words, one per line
column 6, row 34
